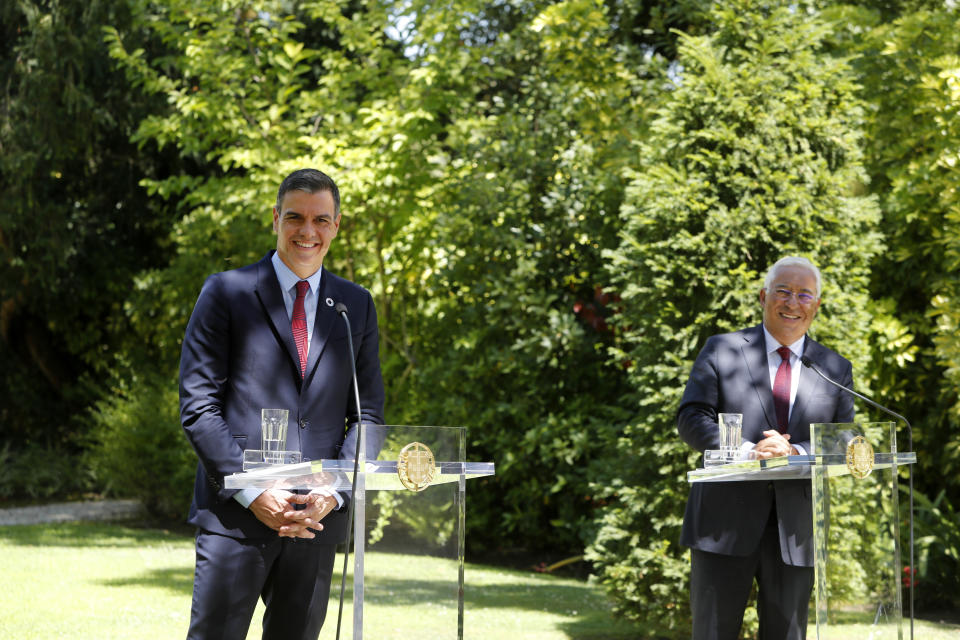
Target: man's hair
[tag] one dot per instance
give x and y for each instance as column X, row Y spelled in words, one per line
column 311, row 181
column 791, row 261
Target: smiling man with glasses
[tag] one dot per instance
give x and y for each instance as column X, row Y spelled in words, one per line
column 739, row 532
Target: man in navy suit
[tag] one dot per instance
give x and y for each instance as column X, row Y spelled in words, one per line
column 240, row 355
column 739, row 532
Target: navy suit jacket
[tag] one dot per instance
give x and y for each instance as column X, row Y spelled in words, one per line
column 731, row 375
column 239, row 357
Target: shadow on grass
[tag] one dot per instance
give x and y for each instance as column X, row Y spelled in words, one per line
column 177, row 581
column 583, row 612
column 104, row 535
column 853, row 616
column 410, row 591
column 586, row 613
column 91, row 534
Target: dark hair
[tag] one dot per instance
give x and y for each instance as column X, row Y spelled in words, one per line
column 311, row 181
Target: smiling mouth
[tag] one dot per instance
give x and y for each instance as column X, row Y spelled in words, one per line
column 305, row 245
column 789, row 317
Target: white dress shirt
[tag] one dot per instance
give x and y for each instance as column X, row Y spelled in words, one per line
column 773, row 363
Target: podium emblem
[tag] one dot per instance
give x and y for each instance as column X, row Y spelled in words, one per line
column 416, row 466
column 859, row 457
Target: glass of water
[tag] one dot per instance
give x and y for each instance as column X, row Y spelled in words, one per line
column 731, row 428
column 273, row 434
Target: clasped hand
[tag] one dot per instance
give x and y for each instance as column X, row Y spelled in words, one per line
column 277, row 509
column 774, row 445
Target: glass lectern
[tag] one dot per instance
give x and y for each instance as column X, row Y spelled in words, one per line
column 408, row 545
column 854, row 471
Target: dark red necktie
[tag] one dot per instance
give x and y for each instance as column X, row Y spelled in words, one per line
column 781, row 390
column 299, row 325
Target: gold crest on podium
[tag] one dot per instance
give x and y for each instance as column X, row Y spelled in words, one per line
column 859, row 457
column 416, row 466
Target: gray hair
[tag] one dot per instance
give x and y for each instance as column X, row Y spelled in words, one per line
column 792, row 261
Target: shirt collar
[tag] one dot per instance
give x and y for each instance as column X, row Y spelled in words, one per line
column 288, row 279
column 772, row 344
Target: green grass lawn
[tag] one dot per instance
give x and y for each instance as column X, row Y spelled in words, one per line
column 113, row 582
column 109, row 581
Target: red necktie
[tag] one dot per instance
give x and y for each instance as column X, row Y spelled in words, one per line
column 781, row 390
column 299, row 325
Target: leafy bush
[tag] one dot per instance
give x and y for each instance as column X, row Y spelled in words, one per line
column 36, row 472
column 76, row 225
column 138, row 449
column 937, row 531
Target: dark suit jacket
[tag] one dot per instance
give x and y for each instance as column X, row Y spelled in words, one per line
column 731, row 375
column 239, row 357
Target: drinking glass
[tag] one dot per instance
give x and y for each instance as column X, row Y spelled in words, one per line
column 731, row 427
column 273, row 433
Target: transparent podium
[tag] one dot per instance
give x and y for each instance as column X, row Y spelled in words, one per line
column 854, row 471
column 408, row 544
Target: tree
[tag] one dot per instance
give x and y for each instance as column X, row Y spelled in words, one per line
column 755, row 155
column 253, row 95
column 75, row 225
column 441, row 141
column 513, row 340
column 909, row 70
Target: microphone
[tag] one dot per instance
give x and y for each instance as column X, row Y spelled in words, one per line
column 807, row 362
column 341, row 310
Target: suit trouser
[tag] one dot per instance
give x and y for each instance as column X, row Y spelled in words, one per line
column 291, row 575
column 720, row 587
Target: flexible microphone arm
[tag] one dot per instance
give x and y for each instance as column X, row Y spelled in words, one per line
column 341, row 309
column 809, row 364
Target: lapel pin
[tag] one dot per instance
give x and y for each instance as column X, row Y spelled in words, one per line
column 329, row 302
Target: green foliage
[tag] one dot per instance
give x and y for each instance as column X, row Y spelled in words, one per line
column 74, row 226
column 251, row 96
column 910, row 75
column 34, row 472
column 754, row 156
column 425, row 175
column 513, row 334
column 138, row 449
column 323, row 86
column 937, row 552
column 861, row 539
column 546, row 257
column 422, row 521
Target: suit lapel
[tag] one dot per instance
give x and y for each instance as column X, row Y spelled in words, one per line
column 324, row 322
column 755, row 356
column 268, row 291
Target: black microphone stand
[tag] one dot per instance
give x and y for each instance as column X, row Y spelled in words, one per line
column 809, row 364
column 342, row 311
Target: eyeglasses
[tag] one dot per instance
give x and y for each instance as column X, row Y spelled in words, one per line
column 784, row 295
